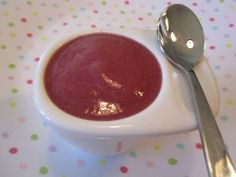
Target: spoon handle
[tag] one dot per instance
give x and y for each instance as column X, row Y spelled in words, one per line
column 218, row 161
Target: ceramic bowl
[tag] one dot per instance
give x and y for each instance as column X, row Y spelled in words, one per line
column 171, row 113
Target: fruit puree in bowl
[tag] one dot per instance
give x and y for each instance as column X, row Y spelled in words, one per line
column 103, row 76
column 103, row 91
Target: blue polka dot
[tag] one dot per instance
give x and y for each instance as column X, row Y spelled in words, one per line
column 224, row 118
column 21, row 57
column 153, row 7
column 180, row 145
column 217, row 67
column 4, row 3
column 215, row 28
column 82, row 8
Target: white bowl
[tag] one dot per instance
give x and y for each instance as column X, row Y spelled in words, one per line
column 171, row 113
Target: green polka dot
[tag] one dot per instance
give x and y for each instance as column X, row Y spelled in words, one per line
column 172, row 161
column 74, row 16
column 104, row 3
column 157, row 147
column 149, row 13
column 11, row 104
column 11, row 24
column 221, row 1
column 3, row 46
column 102, row 162
column 122, row 26
column 34, row 137
column 132, row 154
column 43, row 170
column 40, row 27
column 14, row 90
column 11, row 66
column 29, row 2
column 122, row 12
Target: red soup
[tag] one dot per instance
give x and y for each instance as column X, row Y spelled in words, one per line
column 103, row 76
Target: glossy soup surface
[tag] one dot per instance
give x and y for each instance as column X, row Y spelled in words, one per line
column 103, row 76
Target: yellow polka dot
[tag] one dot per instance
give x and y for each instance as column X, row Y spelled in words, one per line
column 157, row 147
column 34, row 13
column 229, row 45
column 230, row 102
column 231, row 7
column 11, row 104
column 13, row 34
column 44, row 38
column 128, row 20
column 116, row 5
column 72, row 9
column 5, row 13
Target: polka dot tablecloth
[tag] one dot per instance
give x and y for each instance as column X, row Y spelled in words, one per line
column 29, row 148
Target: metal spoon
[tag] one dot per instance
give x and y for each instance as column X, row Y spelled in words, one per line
column 181, row 38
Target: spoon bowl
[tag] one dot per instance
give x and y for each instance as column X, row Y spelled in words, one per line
column 184, row 46
column 181, row 38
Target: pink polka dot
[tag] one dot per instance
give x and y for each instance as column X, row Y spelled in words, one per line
column 10, row 77
column 211, row 19
column 61, row 15
column 65, row 24
column 22, row 119
column 26, row 68
column 221, row 57
column 140, row 18
column 150, row 164
column 228, row 75
column 212, row 47
column 93, row 26
column 198, row 145
column 23, row 20
column 225, row 89
column 5, row 135
column 194, row 4
column 13, row 150
column 18, row 8
column 23, row 166
column 81, row 163
column 124, row 169
column 29, row 81
column 36, row 59
column 231, row 25
column 19, row 47
column 29, row 35
column 95, row 11
column 127, row 2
